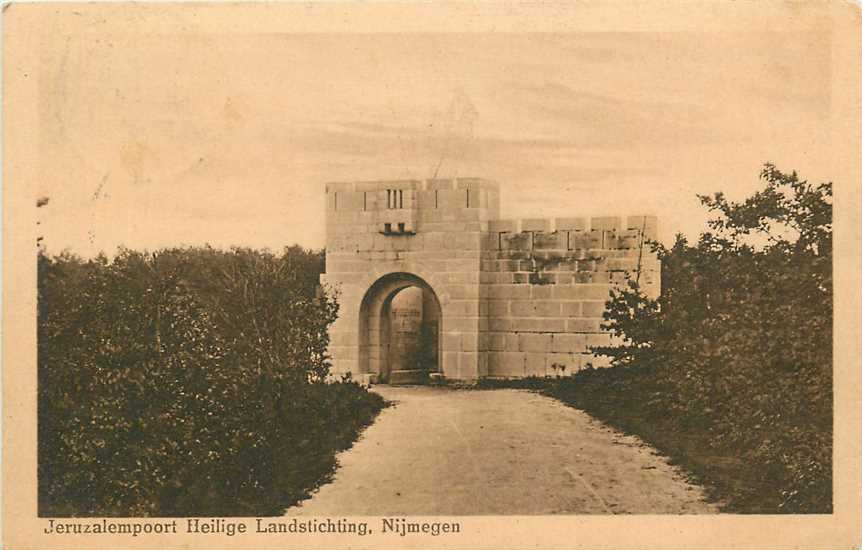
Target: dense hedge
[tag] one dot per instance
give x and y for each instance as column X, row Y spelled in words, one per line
column 732, row 365
column 187, row 382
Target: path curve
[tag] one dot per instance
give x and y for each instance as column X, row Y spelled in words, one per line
column 441, row 451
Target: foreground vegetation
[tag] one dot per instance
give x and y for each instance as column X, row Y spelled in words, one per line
column 187, row 382
column 729, row 372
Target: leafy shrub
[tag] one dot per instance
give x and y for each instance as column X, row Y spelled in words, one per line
column 187, row 382
column 731, row 366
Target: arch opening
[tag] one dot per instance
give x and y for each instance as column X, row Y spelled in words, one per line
column 400, row 323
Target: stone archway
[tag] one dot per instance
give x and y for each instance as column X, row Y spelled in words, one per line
column 400, row 320
column 517, row 297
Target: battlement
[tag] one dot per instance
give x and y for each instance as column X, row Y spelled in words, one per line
column 430, row 194
column 515, row 297
column 399, row 207
column 618, row 227
column 430, row 184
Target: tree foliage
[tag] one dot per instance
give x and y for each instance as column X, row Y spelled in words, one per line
column 739, row 344
column 187, row 382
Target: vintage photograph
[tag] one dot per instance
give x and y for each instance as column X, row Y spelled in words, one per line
column 310, row 276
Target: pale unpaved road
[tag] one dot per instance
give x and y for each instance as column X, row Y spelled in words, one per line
column 457, row 452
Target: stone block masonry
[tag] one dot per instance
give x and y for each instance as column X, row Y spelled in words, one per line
column 546, row 282
column 515, row 297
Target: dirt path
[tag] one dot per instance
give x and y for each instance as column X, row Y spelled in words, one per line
column 451, row 452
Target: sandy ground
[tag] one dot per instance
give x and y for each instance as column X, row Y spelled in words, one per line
column 459, row 452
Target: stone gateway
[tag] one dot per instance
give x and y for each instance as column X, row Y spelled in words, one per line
column 432, row 284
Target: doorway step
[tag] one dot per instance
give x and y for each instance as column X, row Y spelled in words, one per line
column 408, row 377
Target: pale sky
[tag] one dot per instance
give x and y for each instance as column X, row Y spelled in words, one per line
column 188, row 138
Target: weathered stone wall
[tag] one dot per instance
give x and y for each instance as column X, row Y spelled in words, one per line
column 516, row 297
column 405, row 322
column 439, row 242
column 544, row 287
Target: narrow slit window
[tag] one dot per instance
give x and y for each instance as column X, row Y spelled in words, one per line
column 336, row 200
column 468, row 198
column 365, row 200
column 401, row 227
column 388, row 198
column 435, row 199
column 400, row 199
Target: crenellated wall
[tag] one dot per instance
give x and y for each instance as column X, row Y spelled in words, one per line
column 516, row 297
column 544, row 284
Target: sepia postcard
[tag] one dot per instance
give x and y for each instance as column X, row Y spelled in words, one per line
column 431, row 275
